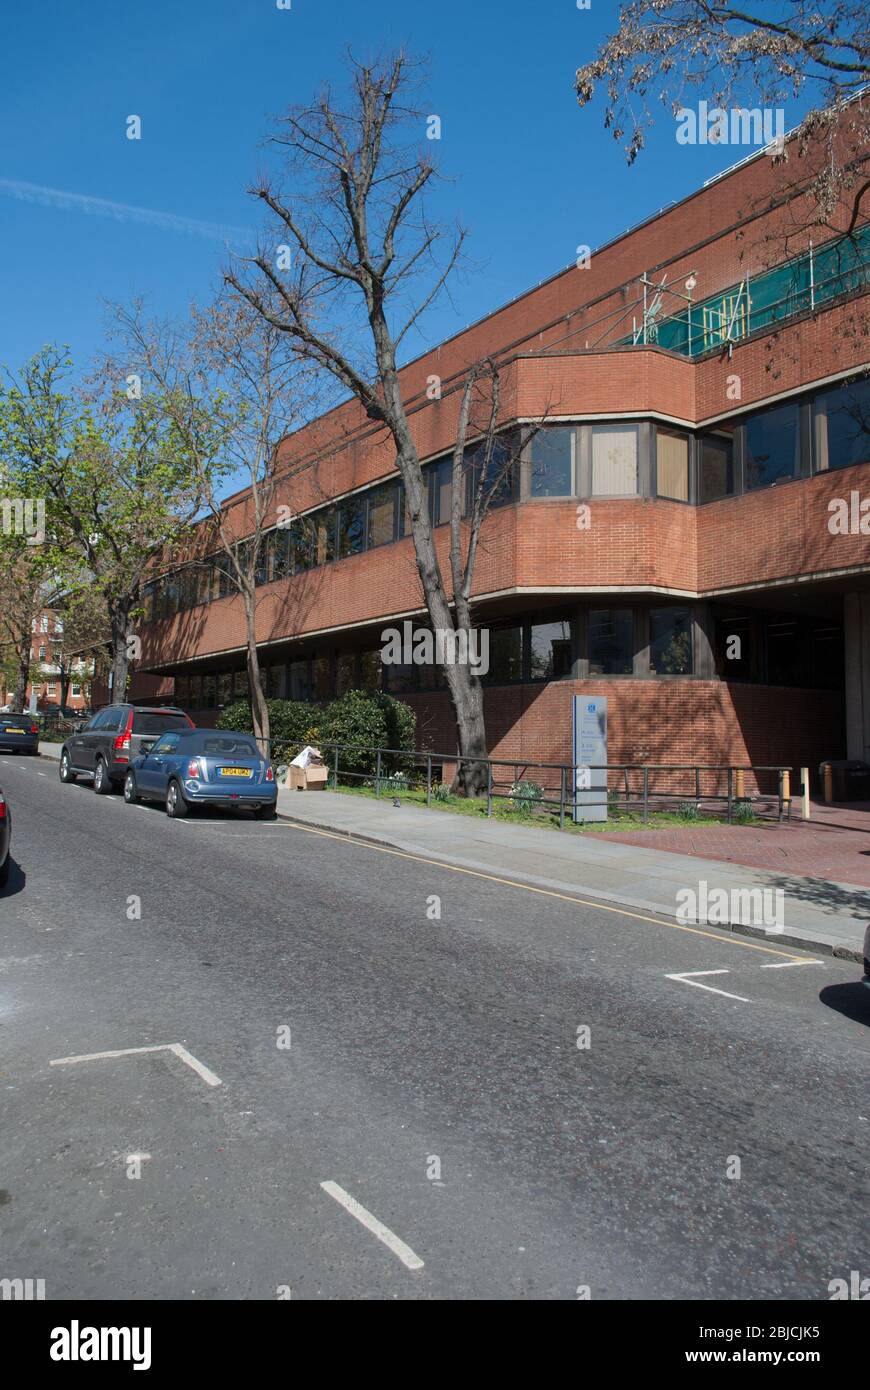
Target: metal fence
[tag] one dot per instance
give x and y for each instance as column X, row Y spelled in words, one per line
column 644, row 787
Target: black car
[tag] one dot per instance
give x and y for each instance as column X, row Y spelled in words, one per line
column 104, row 749
column 5, row 837
column 19, row 733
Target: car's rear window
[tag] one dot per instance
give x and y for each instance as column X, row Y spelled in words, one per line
column 144, row 722
column 223, row 747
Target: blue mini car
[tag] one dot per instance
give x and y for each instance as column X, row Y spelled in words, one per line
column 203, row 767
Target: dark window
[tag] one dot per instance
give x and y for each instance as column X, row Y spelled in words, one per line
column 299, row 681
column 281, row 558
column 240, row 685
column 670, row 641
column 787, row 652
column 847, row 409
column 225, row 688
column 322, row 674
column 146, row 722
column 672, row 465
column 303, row 534
column 442, row 491
column 734, row 648
column 552, row 463
column 345, row 672
column 167, row 744
column 611, row 642
column 148, row 602
column 498, row 483
column 715, row 466
column 505, row 655
column 351, row 526
column 324, row 545
column 182, row 690
column 195, row 692
column 398, row 677
column 772, row 439
column 382, row 515
column 224, row 745
column 550, row 651
column 370, row 670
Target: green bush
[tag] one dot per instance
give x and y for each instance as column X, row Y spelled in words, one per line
column 293, row 724
column 742, row 811
column 372, row 718
column 688, row 810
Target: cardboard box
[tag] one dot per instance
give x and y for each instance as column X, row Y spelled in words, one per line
column 307, row 779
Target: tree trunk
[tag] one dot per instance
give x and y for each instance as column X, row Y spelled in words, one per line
column 119, row 617
column 259, row 708
column 21, row 679
column 466, row 693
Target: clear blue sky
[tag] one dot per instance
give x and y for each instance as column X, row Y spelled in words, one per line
column 532, row 176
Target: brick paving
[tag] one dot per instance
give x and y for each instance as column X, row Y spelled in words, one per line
column 833, row 845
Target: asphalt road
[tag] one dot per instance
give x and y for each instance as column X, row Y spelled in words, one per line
column 433, row 1075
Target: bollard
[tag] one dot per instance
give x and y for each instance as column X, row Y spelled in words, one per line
column 828, row 778
column 740, row 783
column 805, row 799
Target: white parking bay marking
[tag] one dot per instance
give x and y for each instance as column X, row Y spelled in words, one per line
column 688, row 978
column 182, row 1053
column 371, row 1223
column 786, row 964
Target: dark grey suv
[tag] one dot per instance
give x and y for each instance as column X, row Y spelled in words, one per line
column 107, row 745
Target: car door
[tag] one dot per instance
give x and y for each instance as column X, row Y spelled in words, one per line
column 82, row 746
column 153, row 775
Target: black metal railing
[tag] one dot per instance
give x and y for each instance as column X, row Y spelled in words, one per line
column 644, row 787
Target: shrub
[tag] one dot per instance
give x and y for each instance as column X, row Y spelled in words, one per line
column 372, row 719
column 742, row 811
column 523, row 796
column 688, row 810
column 293, row 724
column 441, row 792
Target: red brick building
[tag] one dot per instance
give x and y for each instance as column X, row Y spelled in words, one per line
column 702, row 386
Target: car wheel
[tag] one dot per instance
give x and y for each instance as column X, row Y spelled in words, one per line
column 131, row 796
column 176, row 806
column 102, row 785
column 4, row 870
column 65, row 771
column 266, row 813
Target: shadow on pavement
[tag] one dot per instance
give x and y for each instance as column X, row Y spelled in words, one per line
column 850, row 1000
column 16, row 880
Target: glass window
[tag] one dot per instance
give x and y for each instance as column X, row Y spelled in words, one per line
column 505, row 655
column 370, row 670
column 148, row 602
column 240, row 685
column 552, row 455
column 299, row 681
column 715, row 466
column 846, row 412
column 76, row 689
column 209, row 692
column 670, row 641
column 399, row 678
column 182, row 690
column 550, row 651
column 195, row 695
column 382, row 515
column 442, row 491
column 672, row 465
column 735, row 641
column 167, row 744
column 351, row 526
column 303, row 533
column 614, row 460
column 345, row 672
column 498, row 485
column 772, row 442
column 281, row 556
column 322, row 674
column 788, row 652
column 324, row 542
column 611, row 642
column 225, row 688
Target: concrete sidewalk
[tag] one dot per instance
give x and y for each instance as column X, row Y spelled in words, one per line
column 820, row 916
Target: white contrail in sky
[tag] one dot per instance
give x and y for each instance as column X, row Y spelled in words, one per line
column 119, row 212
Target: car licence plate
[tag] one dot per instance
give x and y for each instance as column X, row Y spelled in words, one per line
column 235, row 771
column 14, row 731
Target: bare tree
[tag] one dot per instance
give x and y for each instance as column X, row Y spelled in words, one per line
column 664, row 48
column 231, row 372
column 366, row 265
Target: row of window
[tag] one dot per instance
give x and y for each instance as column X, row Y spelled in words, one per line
column 524, row 651
column 829, row 430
